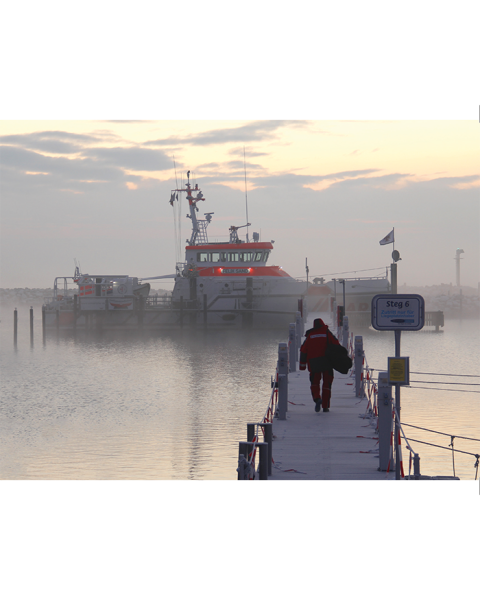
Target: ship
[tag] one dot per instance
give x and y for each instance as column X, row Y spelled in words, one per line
column 227, row 284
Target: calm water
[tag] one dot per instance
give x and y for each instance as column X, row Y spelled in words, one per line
column 174, row 406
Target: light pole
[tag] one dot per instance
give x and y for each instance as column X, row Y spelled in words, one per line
column 458, row 259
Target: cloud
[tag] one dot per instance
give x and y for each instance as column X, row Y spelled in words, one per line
column 129, row 121
column 134, row 158
column 250, row 132
column 248, row 152
column 53, row 142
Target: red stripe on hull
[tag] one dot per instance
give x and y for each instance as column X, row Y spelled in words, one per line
column 242, row 272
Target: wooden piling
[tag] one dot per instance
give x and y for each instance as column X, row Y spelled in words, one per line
column 205, row 316
column 15, row 326
column 75, row 312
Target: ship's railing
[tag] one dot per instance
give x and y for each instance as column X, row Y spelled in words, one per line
column 164, row 301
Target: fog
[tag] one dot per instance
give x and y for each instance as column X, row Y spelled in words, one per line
column 66, row 198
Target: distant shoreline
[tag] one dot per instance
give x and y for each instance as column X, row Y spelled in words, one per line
column 444, row 297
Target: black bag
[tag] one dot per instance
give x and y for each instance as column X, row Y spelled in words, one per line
column 319, row 364
column 338, row 358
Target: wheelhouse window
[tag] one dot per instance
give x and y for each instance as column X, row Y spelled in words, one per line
column 202, row 256
column 233, row 257
column 258, row 256
column 215, row 257
column 266, row 255
column 246, row 256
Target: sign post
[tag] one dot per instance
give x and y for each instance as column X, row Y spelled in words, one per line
column 398, row 312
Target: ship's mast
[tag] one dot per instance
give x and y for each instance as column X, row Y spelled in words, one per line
column 199, row 227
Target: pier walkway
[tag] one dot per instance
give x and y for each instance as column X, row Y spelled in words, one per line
column 341, row 444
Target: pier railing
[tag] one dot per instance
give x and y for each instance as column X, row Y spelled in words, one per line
column 379, row 395
column 380, row 410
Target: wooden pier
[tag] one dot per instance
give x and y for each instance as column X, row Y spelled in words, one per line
column 339, row 444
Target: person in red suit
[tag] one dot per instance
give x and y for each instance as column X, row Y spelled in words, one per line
column 312, row 354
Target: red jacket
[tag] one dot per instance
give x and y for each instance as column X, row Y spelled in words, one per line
column 314, row 347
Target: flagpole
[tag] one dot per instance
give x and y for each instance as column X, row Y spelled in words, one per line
column 393, row 239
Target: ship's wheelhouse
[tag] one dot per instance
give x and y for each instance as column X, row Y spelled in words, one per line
column 255, row 255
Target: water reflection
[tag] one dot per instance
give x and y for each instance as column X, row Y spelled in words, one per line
column 127, row 406
column 175, row 405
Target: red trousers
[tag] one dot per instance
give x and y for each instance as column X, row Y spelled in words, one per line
column 315, row 380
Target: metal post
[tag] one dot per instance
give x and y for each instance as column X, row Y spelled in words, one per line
column 299, row 329
column 384, row 402
column 358, row 365
column 282, row 405
column 292, row 354
column 263, row 461
column 31, row 325
column 397, row 406
column 43, row 323
column 300, row 304
column 268, row 439
column 394, row 277
column 346, row 332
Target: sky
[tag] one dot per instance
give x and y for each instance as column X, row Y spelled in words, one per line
column 327, row 191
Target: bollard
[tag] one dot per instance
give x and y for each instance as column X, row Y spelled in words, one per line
column 416, row 466
column 282, row 404
column 268, row 439
column 384, row 402
column 15, row 326
column 244, row 450
column 283, row 359
column 241, row 467
column 263, row 461
column 292, row 347
column 299, row 329
column 358, row 362
column 251, row 431
column 346, row 332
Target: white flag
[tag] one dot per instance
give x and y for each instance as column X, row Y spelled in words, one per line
column 388, row 239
